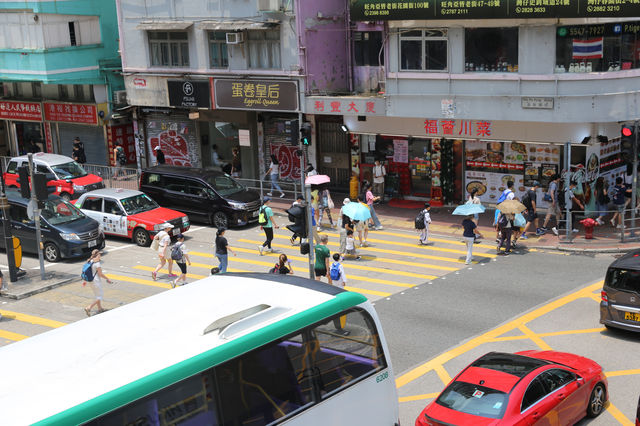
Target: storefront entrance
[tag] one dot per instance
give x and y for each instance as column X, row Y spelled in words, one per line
column 333, row 153
column 29, row 137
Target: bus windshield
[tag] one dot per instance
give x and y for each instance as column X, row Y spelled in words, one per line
column 69, row 170
column 58, row 212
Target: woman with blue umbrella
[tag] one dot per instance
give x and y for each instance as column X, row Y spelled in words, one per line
column 470, row 232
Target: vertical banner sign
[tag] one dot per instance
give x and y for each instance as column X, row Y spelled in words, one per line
column 48, row 138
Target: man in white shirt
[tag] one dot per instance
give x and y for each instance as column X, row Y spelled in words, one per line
column 379, row 172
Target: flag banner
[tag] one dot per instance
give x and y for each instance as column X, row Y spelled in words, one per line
column 587, row 48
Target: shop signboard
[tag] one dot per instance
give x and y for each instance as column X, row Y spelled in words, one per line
column 388, row 10
column 451, row 128
column 255, row 95
column 20, row 111
column 48, row 138
column 188, row 93
column 348, row 105
column 71, row 113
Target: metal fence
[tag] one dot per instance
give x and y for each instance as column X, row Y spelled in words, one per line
column 627, row 229
column 291, row 189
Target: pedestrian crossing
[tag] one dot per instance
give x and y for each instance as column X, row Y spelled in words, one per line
column 392, row 263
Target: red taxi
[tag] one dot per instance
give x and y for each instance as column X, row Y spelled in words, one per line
column 67, row 176
column 129, row 213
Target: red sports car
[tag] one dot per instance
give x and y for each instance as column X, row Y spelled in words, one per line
column 526, row 388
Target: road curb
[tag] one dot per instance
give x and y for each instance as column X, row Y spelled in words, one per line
column 586, row 250
column 26, row 287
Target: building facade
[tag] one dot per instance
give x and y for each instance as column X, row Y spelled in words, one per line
column 479, row 93
column 60, row 78
column 218, row 77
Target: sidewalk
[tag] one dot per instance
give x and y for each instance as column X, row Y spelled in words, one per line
column 605, row 240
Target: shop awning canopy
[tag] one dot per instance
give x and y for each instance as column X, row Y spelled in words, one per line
column 164, row 25
column 237, row 25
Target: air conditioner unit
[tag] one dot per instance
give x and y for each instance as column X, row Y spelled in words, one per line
column 120, row 97
column 235, row 38
column 269, row 5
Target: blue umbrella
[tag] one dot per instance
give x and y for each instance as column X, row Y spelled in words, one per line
column 356, row 211
column 467, row 209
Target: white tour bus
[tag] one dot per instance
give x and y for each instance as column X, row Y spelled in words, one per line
column 231, row 349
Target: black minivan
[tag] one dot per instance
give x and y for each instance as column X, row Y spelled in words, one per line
column 205, row 195
column 620, row 297
column 66, row 231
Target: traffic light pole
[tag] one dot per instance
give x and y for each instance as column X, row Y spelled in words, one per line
column 634, row 183
column 307, row 196
column 8, row 237
column 36, row 216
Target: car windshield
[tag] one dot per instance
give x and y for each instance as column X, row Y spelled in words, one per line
column 224, row 185
column 138, row 204
column 624, row 279
column 69, row 170
column 474, row 399
column 58, row 212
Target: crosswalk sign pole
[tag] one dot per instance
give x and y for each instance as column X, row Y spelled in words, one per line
column 36, row 216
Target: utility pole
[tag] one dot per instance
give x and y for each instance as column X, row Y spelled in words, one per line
column 36, row 215
column 634, row 183
column 8, row 237
column 567, row 183
column 307, row 196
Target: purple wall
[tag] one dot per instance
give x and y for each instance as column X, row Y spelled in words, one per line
column 325, row 53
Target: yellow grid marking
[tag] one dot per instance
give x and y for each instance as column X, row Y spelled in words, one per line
column 32, row 319
column 622, row 373
column 418, row 397
column 551, row 333
column 536, row 338
column 442, row 373
column 441, row 359
column 9, row 335
column 617, row 414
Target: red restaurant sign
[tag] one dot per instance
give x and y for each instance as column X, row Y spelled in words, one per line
column 25, row 111
column 71, row 113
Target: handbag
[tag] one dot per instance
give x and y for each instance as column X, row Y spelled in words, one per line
column 330, row 202
column 519, row 220
column 155, row 244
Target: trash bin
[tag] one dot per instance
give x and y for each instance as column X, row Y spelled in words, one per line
column 588, row 224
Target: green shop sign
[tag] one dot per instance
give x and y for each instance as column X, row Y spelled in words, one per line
column 390, row 10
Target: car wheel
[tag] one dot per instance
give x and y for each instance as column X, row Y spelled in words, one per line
column 141, row 237
column 66, row 196
column 220, row 220
column 596, row 401
column 51, row 252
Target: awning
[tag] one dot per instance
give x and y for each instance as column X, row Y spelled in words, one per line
column 164, row 25
column 237, row 24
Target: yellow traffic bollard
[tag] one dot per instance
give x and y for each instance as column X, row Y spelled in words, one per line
column 17, row 251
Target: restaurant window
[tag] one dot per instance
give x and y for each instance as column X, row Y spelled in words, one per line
column 598, row 48
column 169, row 49
column 424, row 50
column 264, row 49
column 367, row 48
column 491, row 49
column 218, row 56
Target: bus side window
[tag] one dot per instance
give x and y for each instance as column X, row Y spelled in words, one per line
column 342, row 360
column 189, row 401
column 264, row 385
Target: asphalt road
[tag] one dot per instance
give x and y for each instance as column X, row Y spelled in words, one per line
column 429, row 319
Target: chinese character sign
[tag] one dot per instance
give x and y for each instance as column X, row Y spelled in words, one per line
column 457, row 128
column 263, row 95
column 24, row 111
column 71, row 113
column 346, row 105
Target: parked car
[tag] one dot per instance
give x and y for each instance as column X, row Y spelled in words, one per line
column 638, row 414
column 129, row 213
column 206, row 195
column 66, row 231
column 620, row 295
column 541, row 387
column 67, row 176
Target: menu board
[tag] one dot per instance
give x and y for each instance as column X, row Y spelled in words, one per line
column 491, row 185
column 400, row 151
column 378, row 10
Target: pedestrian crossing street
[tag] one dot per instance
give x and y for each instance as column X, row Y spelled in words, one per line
column 392, row 263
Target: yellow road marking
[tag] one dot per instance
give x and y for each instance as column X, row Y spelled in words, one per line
column 365, row 291
column 306, row 260
column 442, row 373
column 617, row 414
column 418, row 397
column 441, row 359
column 365, row 257
column 434, row 248
column 189, row 275
column 596, row 297
column 124, row 278
column 552, row 333
column 536, row 338
column 396, row 252
column 9, row 335
column 622, row 373
column 32, row 319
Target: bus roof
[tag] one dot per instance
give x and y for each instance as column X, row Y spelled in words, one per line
column 80, row 369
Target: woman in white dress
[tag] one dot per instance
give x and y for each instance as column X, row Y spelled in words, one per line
column 164, row 241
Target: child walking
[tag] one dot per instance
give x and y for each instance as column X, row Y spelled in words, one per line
column 350, row 245
column 182, row 262
column 339, row 279
column 424, row 232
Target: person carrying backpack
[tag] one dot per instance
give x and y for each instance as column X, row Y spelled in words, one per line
column 339, row 279
column 180, row 255
column 422, row 222
column 120, row 160
column 266, row 222
column 505, row 225
column 283, row 266
column 91, row 273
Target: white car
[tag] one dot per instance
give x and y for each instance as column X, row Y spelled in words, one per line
column 129, row 213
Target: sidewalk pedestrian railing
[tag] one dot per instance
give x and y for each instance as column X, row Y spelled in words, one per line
column 114, row 177
column 291, row 189
column 627, row 227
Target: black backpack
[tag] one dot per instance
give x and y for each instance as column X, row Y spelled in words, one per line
column 419, row 222
column 562, row 202
column 526, row 200
column 122, row 157
column 502, row 221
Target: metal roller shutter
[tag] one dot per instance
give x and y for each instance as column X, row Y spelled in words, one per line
column 92, row 137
